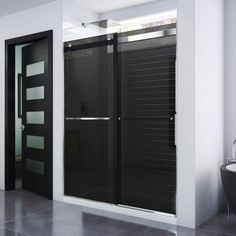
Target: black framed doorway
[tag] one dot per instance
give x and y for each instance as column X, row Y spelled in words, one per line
column 40, row 52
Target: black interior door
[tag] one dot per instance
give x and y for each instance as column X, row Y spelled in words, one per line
column 37, row 118
column 90, row 119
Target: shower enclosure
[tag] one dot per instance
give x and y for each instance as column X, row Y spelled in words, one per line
column 120, row 119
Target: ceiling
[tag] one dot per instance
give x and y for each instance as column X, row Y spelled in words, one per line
column 102, row 6
column 99, row 6
column 11, row 6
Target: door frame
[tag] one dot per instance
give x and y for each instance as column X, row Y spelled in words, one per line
column 10, row 106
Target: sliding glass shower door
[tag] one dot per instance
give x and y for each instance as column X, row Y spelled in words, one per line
column 90, row 119
column 148, row 152
column 120, row 119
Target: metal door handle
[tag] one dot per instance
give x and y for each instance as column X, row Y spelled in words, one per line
column 22, row 127
column 89, row 118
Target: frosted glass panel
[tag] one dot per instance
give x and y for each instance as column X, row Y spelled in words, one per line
column 35, row 69
column 35, row 93
column 35, row 117
column 35, row 142
column 35, row 166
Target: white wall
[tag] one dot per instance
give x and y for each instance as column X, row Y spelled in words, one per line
column 230, row 75
column 186, row 113
column 209, row 106
column 200, row 109
column 27, row 22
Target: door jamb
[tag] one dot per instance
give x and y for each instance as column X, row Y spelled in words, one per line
column 10, row 106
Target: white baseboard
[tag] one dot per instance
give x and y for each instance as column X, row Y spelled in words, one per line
column 146, row 215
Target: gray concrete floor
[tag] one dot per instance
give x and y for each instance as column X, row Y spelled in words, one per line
column 23, row 213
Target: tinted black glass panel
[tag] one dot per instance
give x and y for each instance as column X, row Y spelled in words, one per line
column 148, row 153
column 89, row 151
column 89, row 144
column 89, row 82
